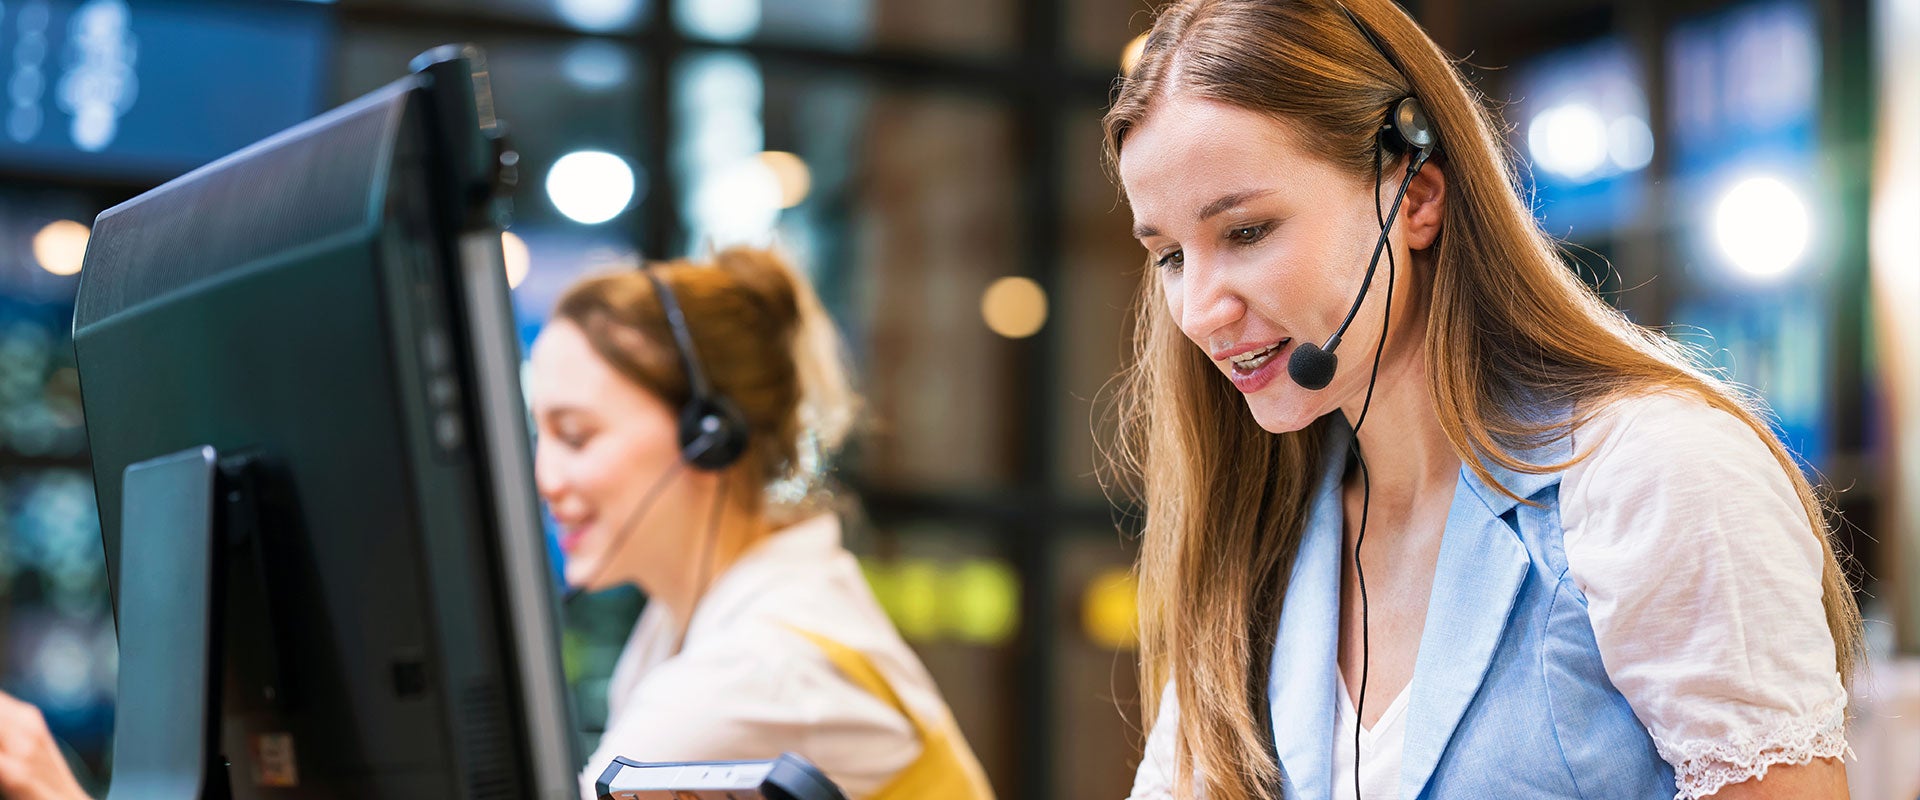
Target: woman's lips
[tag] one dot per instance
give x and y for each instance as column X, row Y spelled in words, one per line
column 1250, row 381
column 572, row 535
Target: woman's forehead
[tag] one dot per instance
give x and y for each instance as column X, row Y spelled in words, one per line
column 1190, row 152
column 1182, row 122
column 565, row 369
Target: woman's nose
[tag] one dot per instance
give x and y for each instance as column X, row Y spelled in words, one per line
column 1207, row 301
column 547, row 476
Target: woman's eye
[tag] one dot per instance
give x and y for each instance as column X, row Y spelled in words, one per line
column 1248, row 234
column 1171, row 261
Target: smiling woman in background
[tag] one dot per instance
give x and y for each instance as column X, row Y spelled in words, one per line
column 683, row 413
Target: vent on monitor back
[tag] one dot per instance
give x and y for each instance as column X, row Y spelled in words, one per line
column 486, row 742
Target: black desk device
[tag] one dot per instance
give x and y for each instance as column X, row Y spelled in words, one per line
column 788, row 777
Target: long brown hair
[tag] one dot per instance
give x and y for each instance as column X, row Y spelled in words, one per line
column 1510, row 329
column 764, row 341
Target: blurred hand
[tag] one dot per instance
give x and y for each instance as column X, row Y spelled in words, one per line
column 31, row 767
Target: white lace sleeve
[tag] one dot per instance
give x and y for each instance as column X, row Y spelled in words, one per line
column 1703, row 584
column 1154, row 780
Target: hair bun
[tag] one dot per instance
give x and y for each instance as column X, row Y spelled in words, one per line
column 828, row 404
column 769, row 278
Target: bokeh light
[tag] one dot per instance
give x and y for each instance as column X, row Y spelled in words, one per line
column 518, row 258
column 61, row 246
column 791, row 173
column 590, row 186
column 1014, row 307
column 1568, row 140
column 1762, row 226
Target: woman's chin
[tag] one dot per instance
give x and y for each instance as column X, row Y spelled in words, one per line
column 580, row 574
column 1284, row 413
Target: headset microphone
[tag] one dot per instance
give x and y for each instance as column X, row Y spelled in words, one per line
column 1312, row 366
column 633, row 521
column 690, row 456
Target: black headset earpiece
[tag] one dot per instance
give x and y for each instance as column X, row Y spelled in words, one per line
column 713, row 432
column 1407, row 129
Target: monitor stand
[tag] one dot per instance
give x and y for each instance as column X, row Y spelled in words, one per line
column 184, row 517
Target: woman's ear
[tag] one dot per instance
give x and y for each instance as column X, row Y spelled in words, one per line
column 1424, row 207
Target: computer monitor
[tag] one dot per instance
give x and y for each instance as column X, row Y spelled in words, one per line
column 311, row 456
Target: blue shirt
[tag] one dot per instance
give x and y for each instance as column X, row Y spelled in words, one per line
column 1509, row 697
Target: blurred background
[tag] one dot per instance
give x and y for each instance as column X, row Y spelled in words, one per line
column 1746, row 173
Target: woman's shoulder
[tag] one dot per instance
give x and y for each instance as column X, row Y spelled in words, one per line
column 1660, row 440
column 1659, row 413
column 1666, row 474
column 771, row 648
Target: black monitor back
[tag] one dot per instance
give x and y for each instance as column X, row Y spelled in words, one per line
column 327, row 310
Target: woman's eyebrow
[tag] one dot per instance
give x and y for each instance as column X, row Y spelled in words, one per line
column 560, row 411
column 1225, row 202
column 1219, row 206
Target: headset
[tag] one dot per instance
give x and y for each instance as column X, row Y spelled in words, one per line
column 713, row 434
column 1406, row 132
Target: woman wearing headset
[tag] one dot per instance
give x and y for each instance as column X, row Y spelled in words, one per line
column 1499, row 543
column 682, row 412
